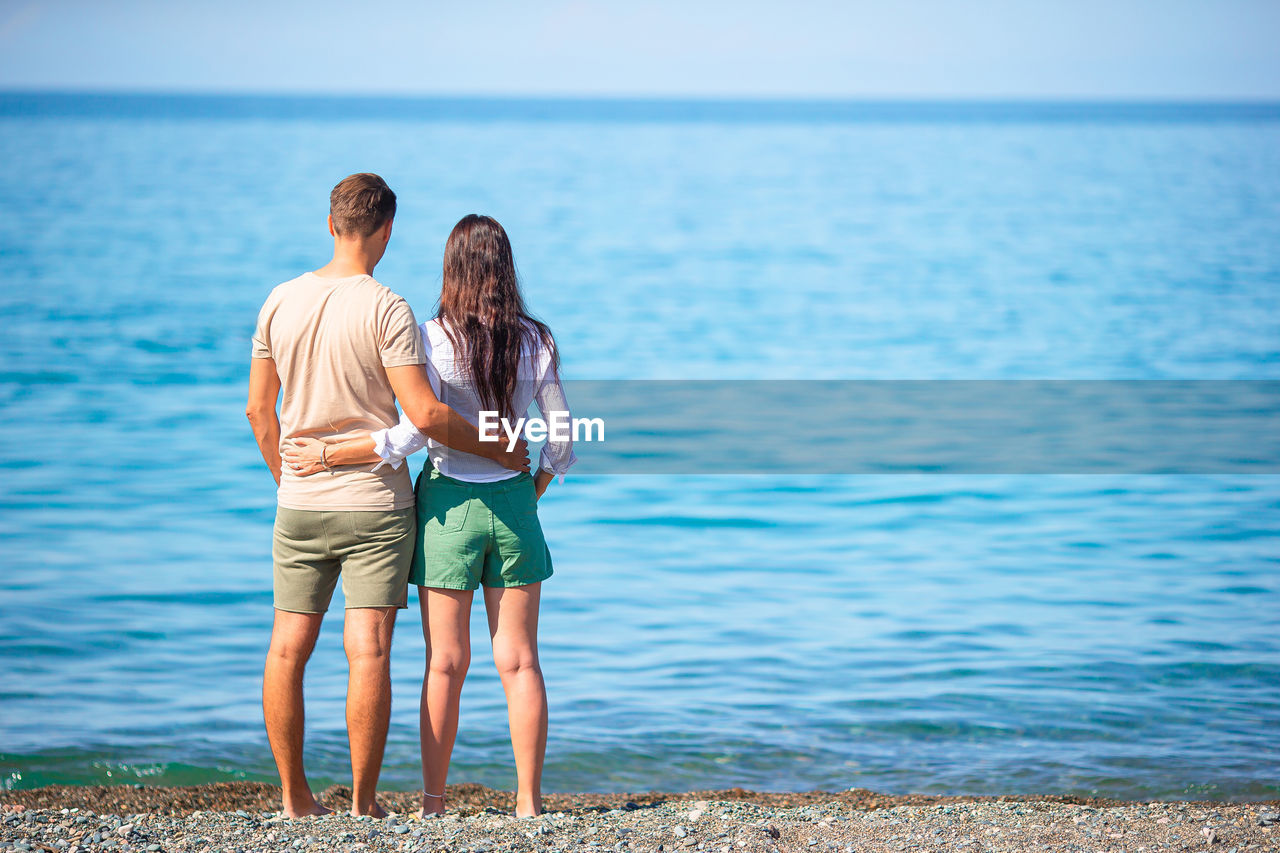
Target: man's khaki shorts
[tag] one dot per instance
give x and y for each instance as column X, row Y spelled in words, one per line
column 371, row 551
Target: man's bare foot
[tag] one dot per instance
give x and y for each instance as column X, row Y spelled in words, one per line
column 371, row 810
column 304, row 809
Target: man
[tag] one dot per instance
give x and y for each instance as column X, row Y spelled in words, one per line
column 343, row 348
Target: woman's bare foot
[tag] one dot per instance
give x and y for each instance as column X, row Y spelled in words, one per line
column 305, row 809
column 431, row 804
column 371, row 810
column 528, row 806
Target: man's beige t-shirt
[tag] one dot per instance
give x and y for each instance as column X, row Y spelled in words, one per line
column 332, row 339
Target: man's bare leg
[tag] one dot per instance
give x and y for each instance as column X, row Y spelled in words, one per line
column 446, row 625
column 293, row 636
column 513, row 625
column 366, row 636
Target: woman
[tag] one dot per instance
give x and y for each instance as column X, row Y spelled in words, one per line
column 477, row 521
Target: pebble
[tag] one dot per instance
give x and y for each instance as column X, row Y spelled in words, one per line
column 724, row 827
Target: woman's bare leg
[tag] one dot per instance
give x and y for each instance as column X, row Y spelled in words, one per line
column 513, row 625
column 446, row 626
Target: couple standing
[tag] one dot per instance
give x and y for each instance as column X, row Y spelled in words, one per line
column 343, row 349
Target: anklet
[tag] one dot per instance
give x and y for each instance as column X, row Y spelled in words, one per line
column 436, row 796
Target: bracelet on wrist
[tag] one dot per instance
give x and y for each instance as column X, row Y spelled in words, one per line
column 324, row 460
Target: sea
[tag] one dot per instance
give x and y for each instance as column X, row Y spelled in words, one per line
column 773, row 627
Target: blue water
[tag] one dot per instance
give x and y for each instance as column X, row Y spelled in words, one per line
column 963, row 634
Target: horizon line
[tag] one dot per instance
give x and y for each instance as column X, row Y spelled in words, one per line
column 695, row 98
column 183, row 106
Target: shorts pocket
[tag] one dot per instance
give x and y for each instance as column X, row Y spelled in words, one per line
column 385, row 526
column 521, row 510
column 442, row 508
column 444, row 516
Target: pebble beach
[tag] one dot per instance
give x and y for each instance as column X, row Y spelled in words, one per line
column 243, row 817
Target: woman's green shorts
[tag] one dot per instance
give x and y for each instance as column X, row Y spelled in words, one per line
column 478, row 533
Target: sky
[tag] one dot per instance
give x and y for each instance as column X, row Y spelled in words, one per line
column 1161, row 49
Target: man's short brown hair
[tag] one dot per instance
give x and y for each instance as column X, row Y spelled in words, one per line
column 361, row 204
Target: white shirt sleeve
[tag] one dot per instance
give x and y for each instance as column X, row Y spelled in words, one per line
column 557, row 457
column 397, row 442
column 393, row 445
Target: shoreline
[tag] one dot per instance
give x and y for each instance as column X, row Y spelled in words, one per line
column 471, row 798
column 231, row 816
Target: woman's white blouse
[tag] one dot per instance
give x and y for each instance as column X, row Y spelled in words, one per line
column 536, row 381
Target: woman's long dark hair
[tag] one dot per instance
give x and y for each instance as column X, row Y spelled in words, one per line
column 483, row 311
